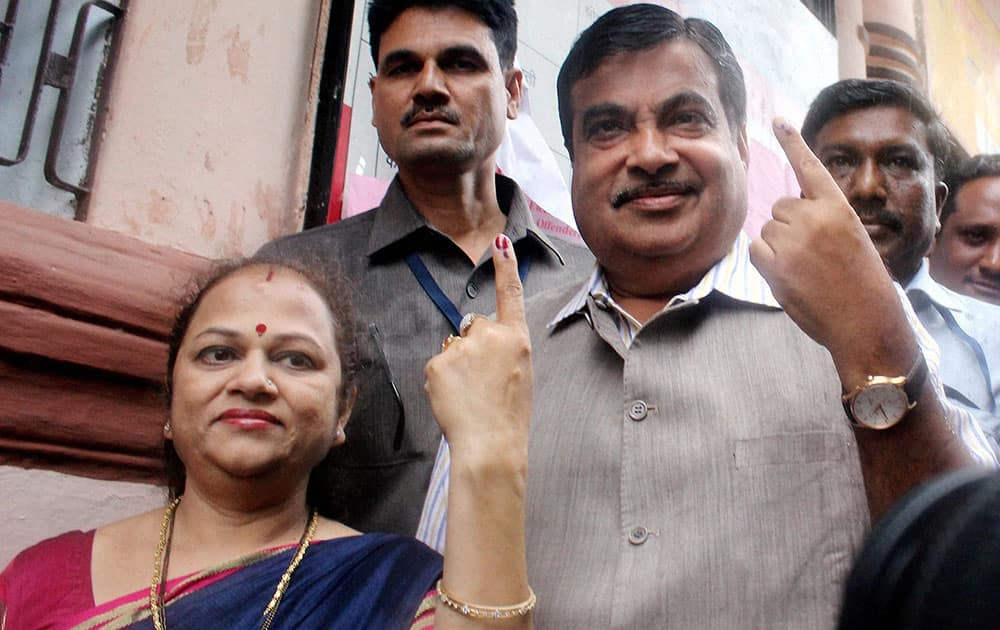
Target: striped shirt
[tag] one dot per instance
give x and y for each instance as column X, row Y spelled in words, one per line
column 735, row 277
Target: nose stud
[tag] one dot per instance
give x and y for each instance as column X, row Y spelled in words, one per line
column 270, row 385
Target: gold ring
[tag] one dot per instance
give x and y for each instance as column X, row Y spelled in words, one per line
column 447, row 342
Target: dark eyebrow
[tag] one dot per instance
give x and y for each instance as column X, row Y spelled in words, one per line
column 978, row 224
column 217, row 330
column 231, row 334
column 909, row 150
column 675, row 102
column 461, row 50
column 908, row 147
column 397, row 56
column 841, row 148
column 688, row 99
column 603, row 110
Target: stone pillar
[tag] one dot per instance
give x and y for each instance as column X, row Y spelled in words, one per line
column 852, row 39
column 893, row 48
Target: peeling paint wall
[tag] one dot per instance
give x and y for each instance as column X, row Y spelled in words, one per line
column 207, row 143
column 206, row 148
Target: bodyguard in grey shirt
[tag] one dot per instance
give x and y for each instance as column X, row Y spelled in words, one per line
column 444, row 87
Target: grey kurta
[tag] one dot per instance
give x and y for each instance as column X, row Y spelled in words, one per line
column 383, row 488
column 706, row 477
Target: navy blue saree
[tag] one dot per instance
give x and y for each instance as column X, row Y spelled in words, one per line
column 369, row 581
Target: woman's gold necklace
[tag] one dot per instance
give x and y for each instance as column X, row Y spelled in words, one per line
column 163, row 551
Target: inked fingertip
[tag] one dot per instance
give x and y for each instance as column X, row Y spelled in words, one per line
column 782, row 126
column 502, row 245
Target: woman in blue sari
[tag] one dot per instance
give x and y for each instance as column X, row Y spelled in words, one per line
column 260, row 381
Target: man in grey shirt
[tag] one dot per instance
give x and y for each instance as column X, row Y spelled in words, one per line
column 886, row 148
column 691, row 463
column 444, row 87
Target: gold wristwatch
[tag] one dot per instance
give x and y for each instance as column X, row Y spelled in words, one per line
column 882, row 401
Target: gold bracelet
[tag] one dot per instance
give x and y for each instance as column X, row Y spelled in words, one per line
column 486, row 612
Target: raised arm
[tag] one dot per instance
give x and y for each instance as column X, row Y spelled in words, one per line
column 826, row 273
column 480, row 388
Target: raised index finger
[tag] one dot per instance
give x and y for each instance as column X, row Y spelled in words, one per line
column 814, row 180
column 510, row 293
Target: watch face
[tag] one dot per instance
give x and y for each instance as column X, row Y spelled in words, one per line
column 880, row 406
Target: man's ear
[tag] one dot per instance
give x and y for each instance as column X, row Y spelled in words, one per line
column 371, row 89
column 940, row 196
column 513, row 81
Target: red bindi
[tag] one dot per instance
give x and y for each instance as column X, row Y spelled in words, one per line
column 270, row 274
column 261, row 329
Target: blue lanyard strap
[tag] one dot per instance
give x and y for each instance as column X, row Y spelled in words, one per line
column 920, row 299
column 977, row 349
column 434, row 292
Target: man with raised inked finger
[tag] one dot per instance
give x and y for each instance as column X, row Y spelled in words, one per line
column 480, row 388
column 444, row 87
column 886, row 149
column 691, row 464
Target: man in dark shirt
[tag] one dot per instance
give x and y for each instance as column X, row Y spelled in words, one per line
column 444, row 87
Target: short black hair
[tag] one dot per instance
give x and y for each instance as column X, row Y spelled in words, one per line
column 985, row 165
column 324, row 489
column 849, row 95
column 931, row 561
column 640, row 27
column 498, row 15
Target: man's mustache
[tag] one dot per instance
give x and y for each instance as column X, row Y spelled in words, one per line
column 650, row 189
column 879, row 216
column 448, row 115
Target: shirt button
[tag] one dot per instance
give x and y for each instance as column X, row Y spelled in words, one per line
column 472, row 290
column 638, row 410
column 638, row 535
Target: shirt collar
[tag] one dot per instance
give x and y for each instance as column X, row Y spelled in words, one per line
column 396, row 220
column 922, row 282
column 733, row 276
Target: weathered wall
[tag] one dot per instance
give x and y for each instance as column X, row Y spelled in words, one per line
column 38, row 504
column 206, row 149
column 208, row 140
column 963, row 66
column 85, row 314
